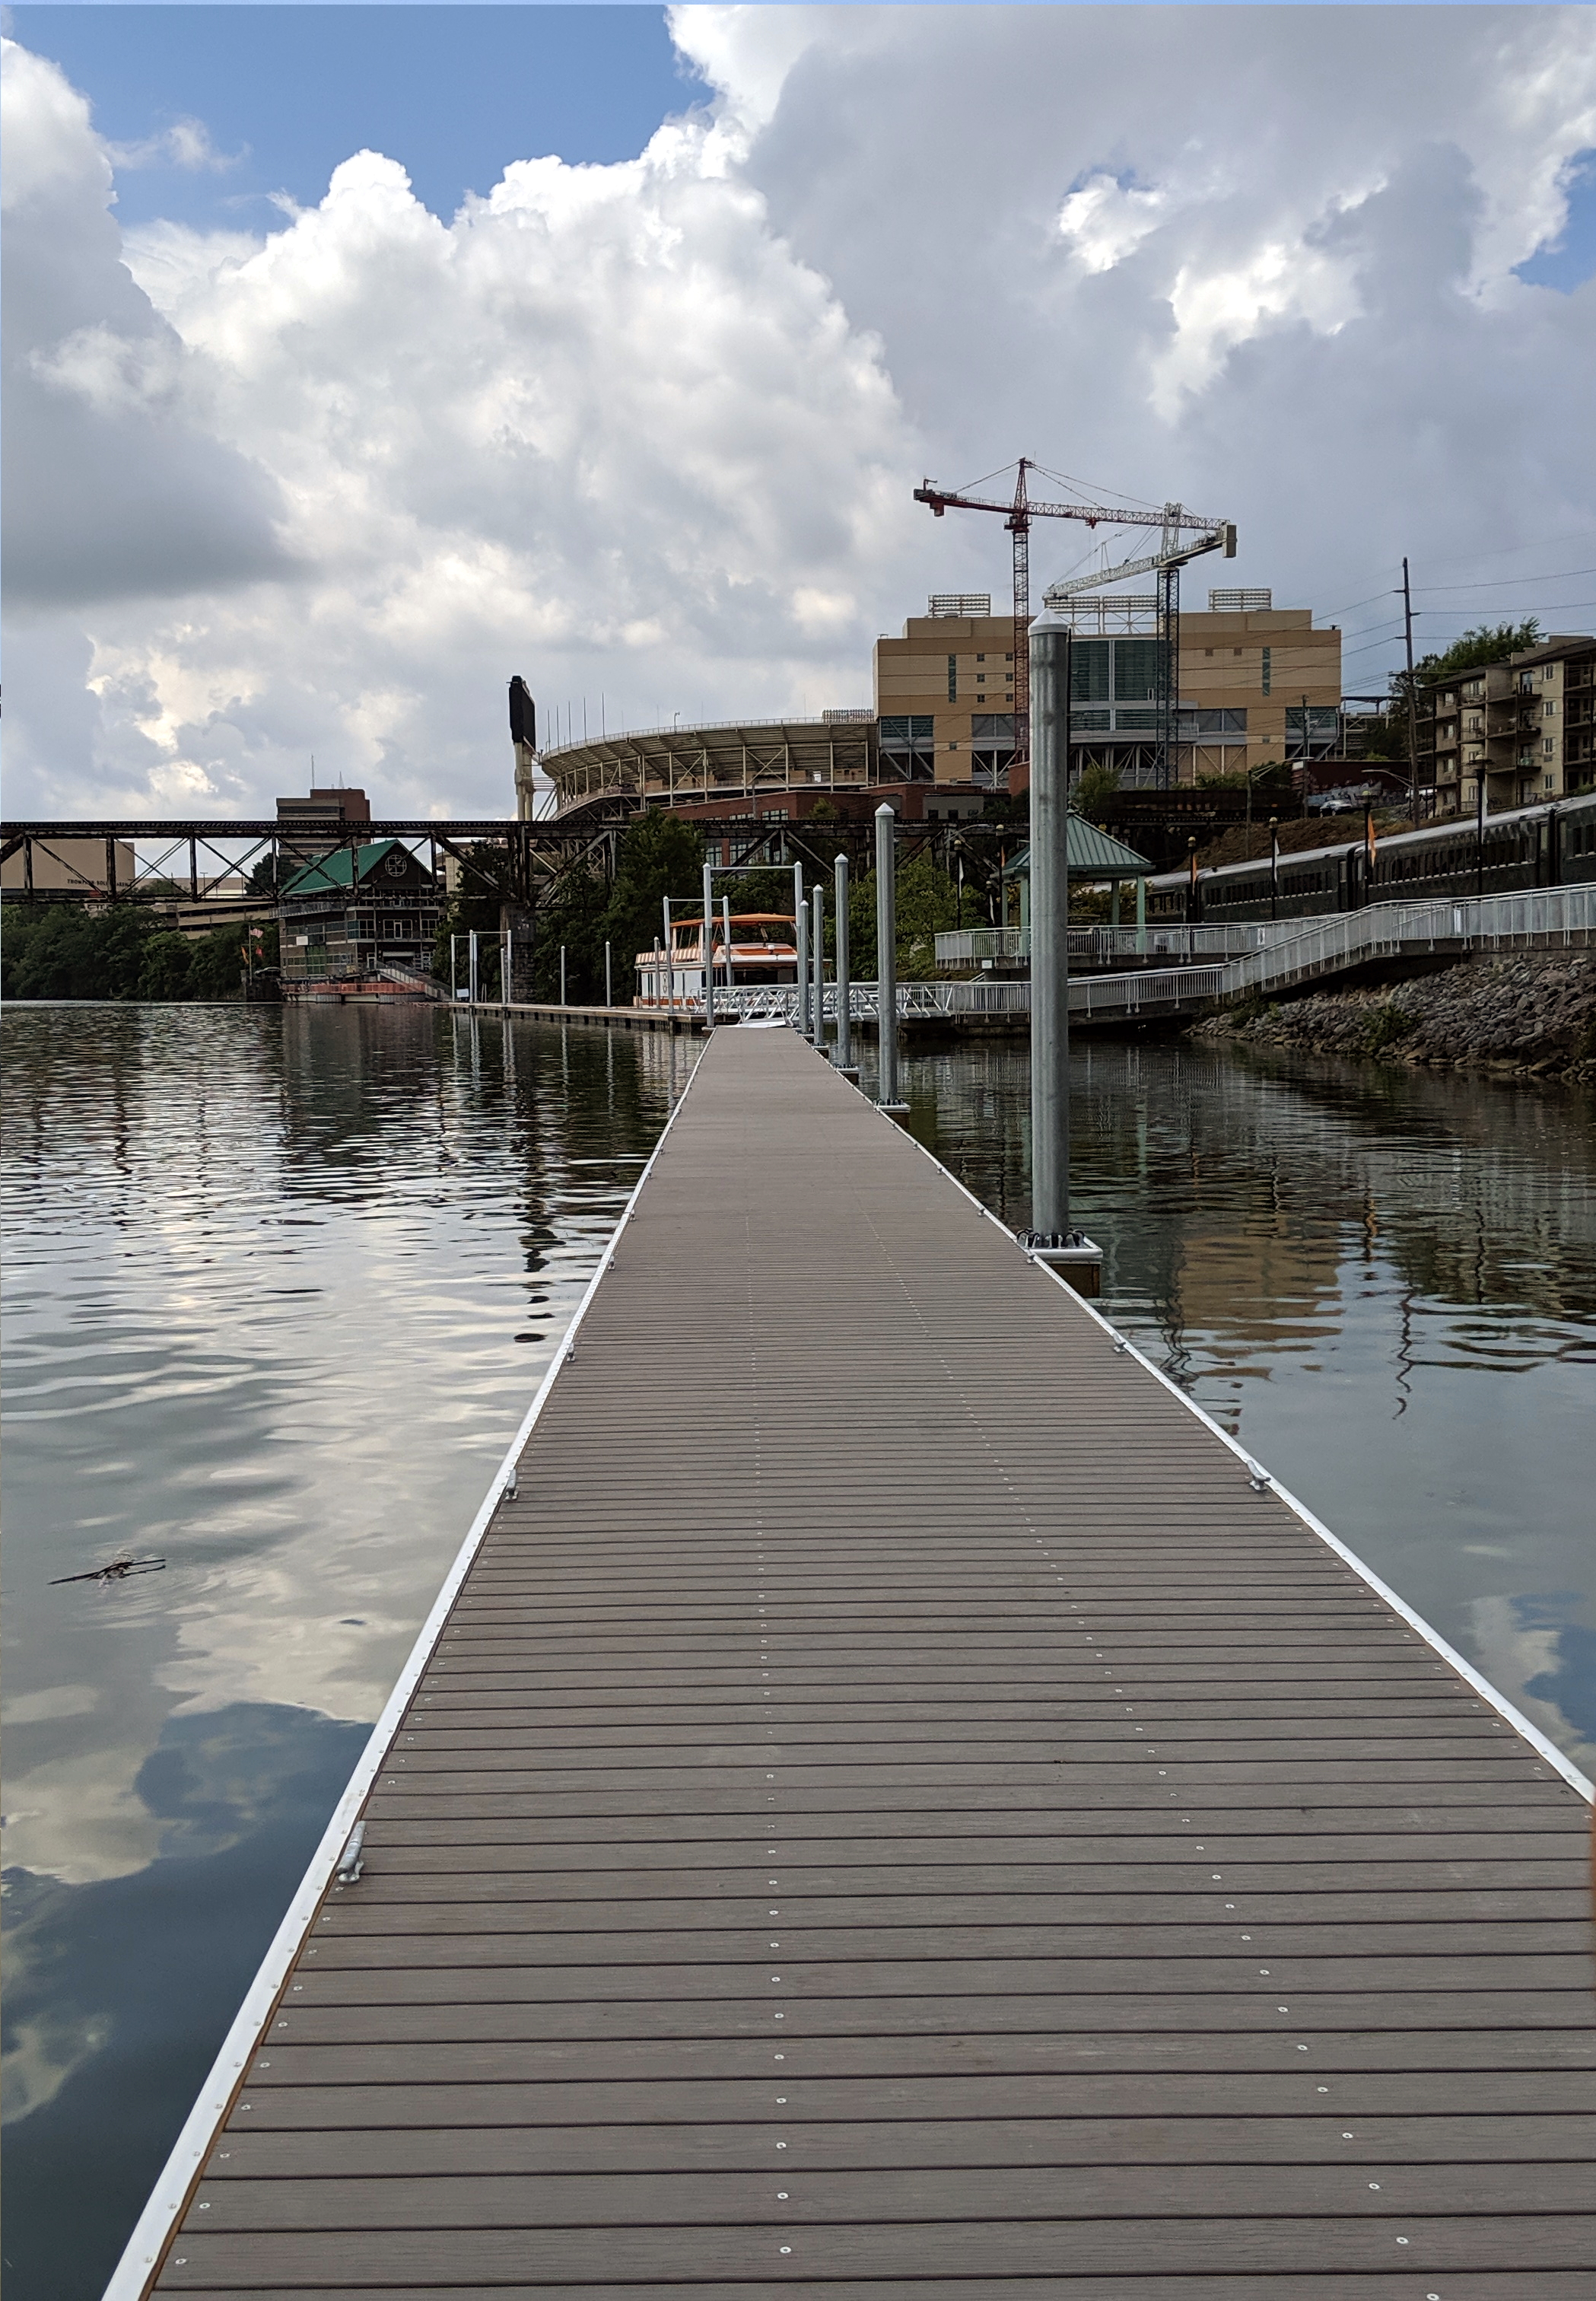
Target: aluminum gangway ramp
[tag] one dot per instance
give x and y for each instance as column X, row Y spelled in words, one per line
column 892, row 1813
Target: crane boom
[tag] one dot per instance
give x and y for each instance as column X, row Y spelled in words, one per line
column 943, row 499
column 1176, row 522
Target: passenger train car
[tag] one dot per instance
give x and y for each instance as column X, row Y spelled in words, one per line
column 1550, row 846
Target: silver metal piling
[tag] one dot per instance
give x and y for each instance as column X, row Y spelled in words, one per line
column 803, row 968
column 817, row 963
column 1050, row 926
column 844, row 1054
column 706, row 939
column 886, row 957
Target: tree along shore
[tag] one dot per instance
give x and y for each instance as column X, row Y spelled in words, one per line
column 1526, row 1015
column 60, row 950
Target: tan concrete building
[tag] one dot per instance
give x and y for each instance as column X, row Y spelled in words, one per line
column 70, row 866
column 1527, row 725
column 1249, row 674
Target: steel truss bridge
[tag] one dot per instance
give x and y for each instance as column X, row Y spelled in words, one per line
column 179, row 859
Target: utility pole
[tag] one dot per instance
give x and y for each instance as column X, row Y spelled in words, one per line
column 1412, row 697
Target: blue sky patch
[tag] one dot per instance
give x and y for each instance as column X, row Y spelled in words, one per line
column 453, row 94
column 1571, row 258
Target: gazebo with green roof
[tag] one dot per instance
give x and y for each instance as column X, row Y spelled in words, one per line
column 1094, row 856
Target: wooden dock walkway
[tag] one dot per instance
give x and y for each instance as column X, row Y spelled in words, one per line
column 892, row 1815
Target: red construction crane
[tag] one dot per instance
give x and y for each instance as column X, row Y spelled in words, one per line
column 1017, row 515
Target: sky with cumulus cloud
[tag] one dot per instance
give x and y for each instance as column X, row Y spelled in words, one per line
column 311, row 445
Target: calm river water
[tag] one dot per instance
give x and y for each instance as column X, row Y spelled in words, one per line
column 279, row 1287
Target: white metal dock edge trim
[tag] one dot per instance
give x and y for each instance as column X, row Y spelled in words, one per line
column 157, row 2225
column 1498, row 1702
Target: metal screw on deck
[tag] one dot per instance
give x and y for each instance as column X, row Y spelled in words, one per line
column 886, row 959
column 1050, row 1238
column 803, row 968
column 707, row 937
column 817, row 960
column 844, row 1055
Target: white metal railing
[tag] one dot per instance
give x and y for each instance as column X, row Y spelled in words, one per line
column 1315, row 946
column 964, row 946
column 1297, row 949
column 410, row 978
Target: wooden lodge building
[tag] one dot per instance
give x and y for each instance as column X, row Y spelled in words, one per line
column 355, row 912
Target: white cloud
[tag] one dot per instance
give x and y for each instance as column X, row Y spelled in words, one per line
column 185, row 144
column 648, row 430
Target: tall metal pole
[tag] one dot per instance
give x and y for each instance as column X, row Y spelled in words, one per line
column 817, row 962
column 472, row 974
column 844, row 1056
column 707, row 939
column 803, row 968
column 670, row 962
column 562, row 975
column 1412, row 697
column 726, row 927
column 886, row 957
column 1049, row 928
column 609, row 995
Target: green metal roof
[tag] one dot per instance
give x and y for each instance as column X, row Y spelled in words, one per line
column 1093, row 855
column 333, row 871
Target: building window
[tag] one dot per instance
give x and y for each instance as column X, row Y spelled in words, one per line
column 1549, row 709
column 1266, row 671
column 1547, row 746
column 980, row 658
column 953, row 679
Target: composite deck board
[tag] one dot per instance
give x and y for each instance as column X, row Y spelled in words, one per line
column 893, row 1814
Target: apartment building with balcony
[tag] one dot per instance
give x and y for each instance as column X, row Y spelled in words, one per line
column 1525, row 726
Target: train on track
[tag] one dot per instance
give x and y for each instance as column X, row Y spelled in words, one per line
column 1550, row 846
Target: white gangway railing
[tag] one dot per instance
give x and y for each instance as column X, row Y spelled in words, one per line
column 968, row 946
column 1299, row 949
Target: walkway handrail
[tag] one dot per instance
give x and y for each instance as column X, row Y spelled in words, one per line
column 1295, row 950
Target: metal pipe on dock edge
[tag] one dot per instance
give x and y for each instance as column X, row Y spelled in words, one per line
column 706, row 939
column 817, row 961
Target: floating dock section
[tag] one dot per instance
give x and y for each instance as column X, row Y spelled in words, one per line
column 890, row 1809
